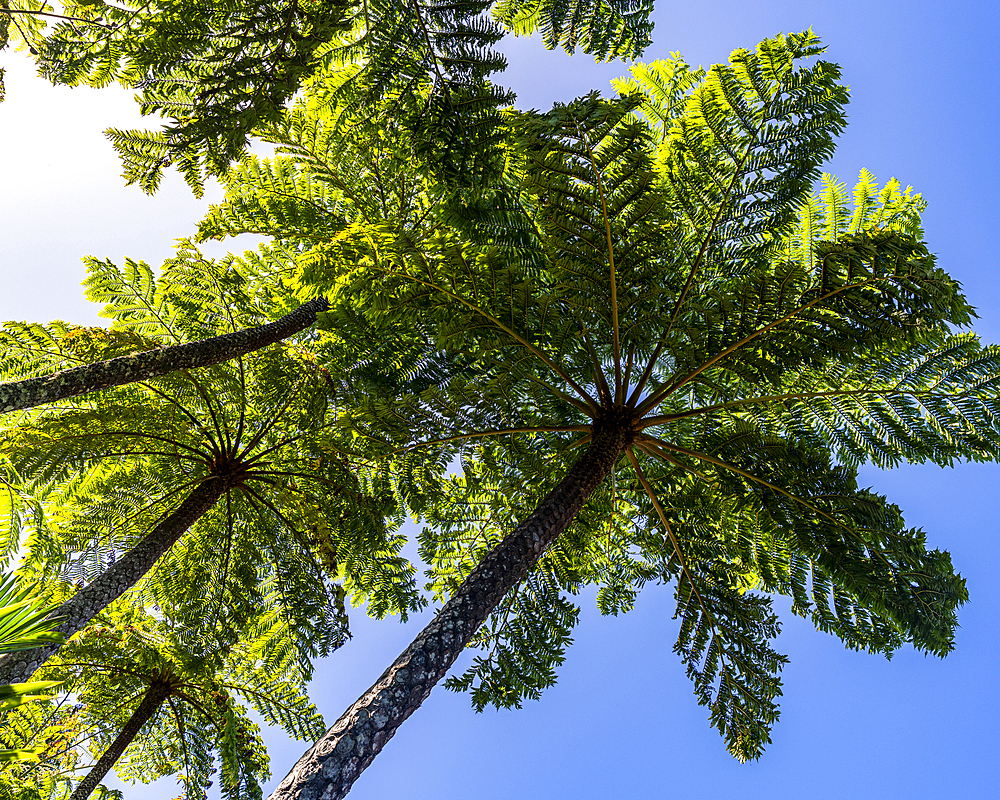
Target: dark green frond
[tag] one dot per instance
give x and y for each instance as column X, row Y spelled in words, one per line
column 605, row 29
column 724, row 641
column 215, row 70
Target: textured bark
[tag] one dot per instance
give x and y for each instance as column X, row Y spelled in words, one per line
column 151, row 701
column 76, row 612
column 142, row 366
column 328, row 770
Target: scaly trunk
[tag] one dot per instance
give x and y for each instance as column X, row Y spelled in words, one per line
column 76, row 612
column 142, row 366
column 328, row 770
column 153, row 699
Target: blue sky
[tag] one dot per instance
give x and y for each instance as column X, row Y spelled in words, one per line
column 622, row 721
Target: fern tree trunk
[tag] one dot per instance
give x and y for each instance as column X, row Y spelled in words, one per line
column 76, row 612
column 328, row 770
column 142, row 366
column 151, row 701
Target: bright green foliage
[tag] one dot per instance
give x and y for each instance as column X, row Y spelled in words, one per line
column 22, row 21
column 202, row 726
column 23, row 625
column 327, row 175
column 266, row 572
column 31, row 349
column 304, row 520
column 23, row 622
column 663, row 261
column 49, row 729
column 661, row 258
column 219, row 70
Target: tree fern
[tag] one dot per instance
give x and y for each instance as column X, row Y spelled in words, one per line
column 298, row 513
column 660, row 268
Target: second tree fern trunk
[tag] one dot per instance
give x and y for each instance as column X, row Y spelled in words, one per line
column 76, row 612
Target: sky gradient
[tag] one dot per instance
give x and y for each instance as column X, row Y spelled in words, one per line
column 622, row 721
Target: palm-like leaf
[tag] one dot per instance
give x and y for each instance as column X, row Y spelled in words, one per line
column 652, row 303
column 24, row 624
column 24, row 618
column 605, row 29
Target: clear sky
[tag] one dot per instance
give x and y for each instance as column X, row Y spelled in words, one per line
column 622, row 721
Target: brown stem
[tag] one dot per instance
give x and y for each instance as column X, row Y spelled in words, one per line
column 111, row 584
column 152, row 363
column 151, row 701
column 328, row 770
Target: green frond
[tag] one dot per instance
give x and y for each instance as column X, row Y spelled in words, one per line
column 215, row 70
column 605, row 29
column 24, row 619
column 663, row 87
column 145, row 154
column 724, row 641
